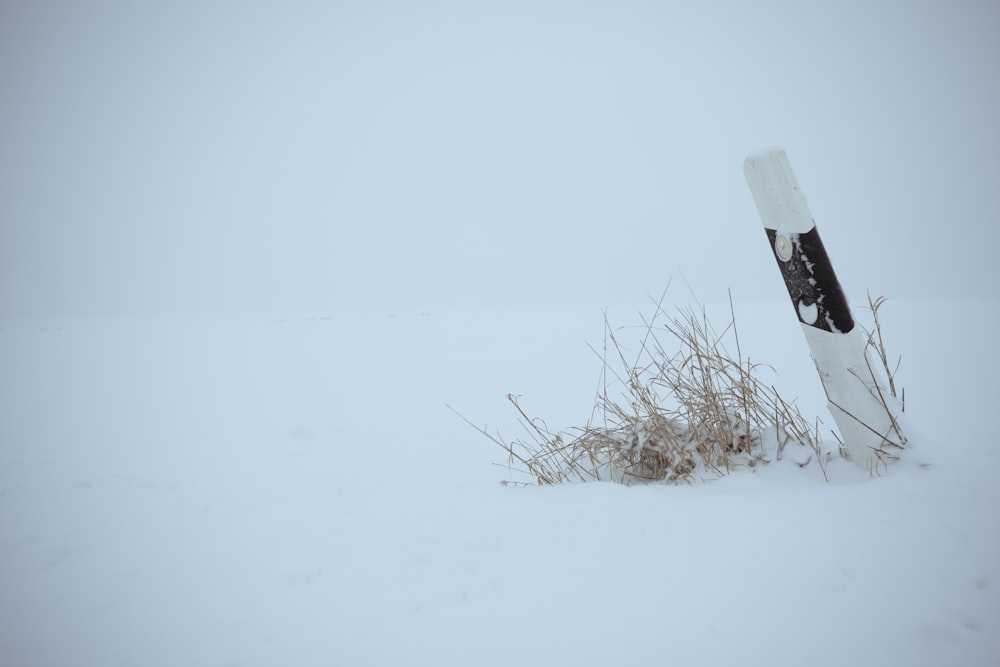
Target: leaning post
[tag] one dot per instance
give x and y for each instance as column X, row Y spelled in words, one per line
column 865, row 412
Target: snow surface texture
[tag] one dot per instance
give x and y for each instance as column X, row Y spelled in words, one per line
column 294, row 491
column 445, row 194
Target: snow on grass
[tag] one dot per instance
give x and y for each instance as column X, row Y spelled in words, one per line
column 681, row 408
column 292, row 490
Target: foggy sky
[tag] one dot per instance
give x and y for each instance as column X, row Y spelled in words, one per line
column 204, row 156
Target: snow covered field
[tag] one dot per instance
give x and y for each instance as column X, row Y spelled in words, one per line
column 249, row 254
column 264, row 491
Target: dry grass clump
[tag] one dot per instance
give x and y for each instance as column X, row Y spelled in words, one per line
column 881, row 384
column 697, row 412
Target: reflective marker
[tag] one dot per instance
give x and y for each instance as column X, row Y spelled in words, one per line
column 857, row 393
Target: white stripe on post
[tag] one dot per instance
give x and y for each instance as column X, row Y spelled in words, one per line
column 859, row 399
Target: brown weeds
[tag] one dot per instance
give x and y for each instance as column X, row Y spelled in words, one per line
column 695, row 413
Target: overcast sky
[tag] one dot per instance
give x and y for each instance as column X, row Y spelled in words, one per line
column 201, row 156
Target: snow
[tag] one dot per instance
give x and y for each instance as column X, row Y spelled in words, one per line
column 266, row 490
column 250, row 254
column 808, row 313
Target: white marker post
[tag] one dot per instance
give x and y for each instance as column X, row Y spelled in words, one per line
column 859, row 400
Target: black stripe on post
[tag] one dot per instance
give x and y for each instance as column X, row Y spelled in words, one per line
column 812, row 285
